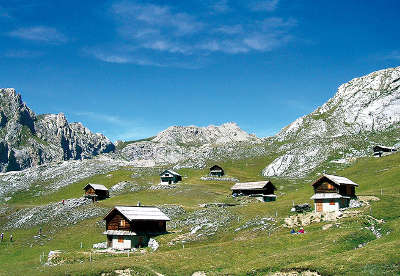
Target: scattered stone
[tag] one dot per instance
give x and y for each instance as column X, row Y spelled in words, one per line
column 54, row 258
column 153, row 244
column 100, row 245
column 214, row 178
column 199, row 273
column 327, row 226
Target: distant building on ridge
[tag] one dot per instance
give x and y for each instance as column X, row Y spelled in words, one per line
column 96, row 192
column 216, row 171
column 169, row 177
column 261, row 189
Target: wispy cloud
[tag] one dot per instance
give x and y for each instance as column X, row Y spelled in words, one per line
column 40, row 34
column 264, row 5
column 22, row 54
column 394, row 55
column 117, row 128
column 160, row 35
column 220, row 6
column 4, row 13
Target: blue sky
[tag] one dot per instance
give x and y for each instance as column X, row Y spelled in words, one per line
column 130, row 69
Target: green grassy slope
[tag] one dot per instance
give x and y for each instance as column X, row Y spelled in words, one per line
column 243, row 252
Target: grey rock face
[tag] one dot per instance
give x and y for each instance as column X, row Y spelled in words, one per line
column 27, row 139
column 346, row 126
column 193, row 146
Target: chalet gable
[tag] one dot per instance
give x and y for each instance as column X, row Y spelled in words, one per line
column 171, row 172
column 96, row 187
column 216, row 168
column 333, row 180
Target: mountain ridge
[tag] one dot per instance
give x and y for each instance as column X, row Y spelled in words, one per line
column 27, row 139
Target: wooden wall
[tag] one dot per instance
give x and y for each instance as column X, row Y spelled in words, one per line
column 114, row 222
column 326, row 186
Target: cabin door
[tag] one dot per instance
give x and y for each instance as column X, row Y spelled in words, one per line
column 319, row 206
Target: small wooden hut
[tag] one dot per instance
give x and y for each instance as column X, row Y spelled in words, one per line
column 96, row 191
column 261, row 189
column 169, row 177
column 380, row 150
column 132, row 227
column 216, row 171
column 332, row 192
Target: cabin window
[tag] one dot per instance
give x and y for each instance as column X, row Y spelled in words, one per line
column 120, row 239
column 332, row 203
column 330, row 187
column 122, row 223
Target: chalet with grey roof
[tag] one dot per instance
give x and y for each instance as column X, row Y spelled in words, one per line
column 262, row 189
column 132, row 227
column 169, row 177
column 332, row 192
column 96, row 191
column 216, row 171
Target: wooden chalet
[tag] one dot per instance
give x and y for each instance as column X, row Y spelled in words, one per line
column 96, row 191
column 332, row 193
column 380, row 150
column 169, row 177
column 131, row 227
column 262, row 189
column 216, row 171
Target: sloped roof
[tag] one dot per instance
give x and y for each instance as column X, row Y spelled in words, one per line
column 215, row 167
column 378, row 147
column 171, row 172
column 96, row 187
column 140, row 213
column 338, row 180
column 259, row 185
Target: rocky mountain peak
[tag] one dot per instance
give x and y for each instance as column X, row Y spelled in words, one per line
column 360, row 107
column 27, row 140
column 192, row 135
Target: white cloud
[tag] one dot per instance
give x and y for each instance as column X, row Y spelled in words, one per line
column 229, row 29
column 159, row 35
column 221, row 6
column 22, row 54
column 394, row 55
column 40, row 34
column 264, row 5
column 118, row 128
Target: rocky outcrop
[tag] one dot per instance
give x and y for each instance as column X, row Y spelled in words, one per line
column 27, row 139
column 363, row 112
column 193, row 135
column 193, row 146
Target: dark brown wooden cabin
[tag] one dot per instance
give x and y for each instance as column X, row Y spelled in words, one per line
column 96, row 192
column 253, row 188
column 141, row 220
column 335, row 184
column 129, row 227
column 216, row 171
